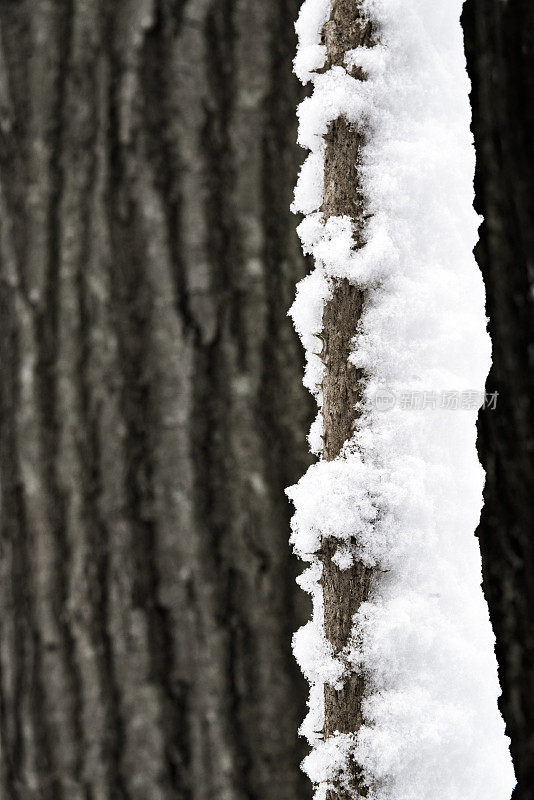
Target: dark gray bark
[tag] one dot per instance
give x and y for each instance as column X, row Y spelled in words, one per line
column 151, row 411
column 150, row 403
column 500, row 52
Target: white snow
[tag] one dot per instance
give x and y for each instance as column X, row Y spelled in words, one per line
column 408, row 486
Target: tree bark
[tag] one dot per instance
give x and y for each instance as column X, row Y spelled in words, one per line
column 344, row 589
column 151, row 412
column 500, row 54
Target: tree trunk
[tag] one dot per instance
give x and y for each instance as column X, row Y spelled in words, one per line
column 500, row 51
column 151, row 411
column 344, row 589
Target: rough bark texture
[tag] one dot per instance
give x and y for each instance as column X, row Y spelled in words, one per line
column 500, row 52
column 344, row 590
column 151, row 411
column 150, row 403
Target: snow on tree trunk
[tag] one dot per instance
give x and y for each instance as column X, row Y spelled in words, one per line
column 399, row 653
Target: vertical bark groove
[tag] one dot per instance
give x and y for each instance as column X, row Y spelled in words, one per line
column 146, row 261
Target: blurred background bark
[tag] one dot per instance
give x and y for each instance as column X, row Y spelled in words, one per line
column 151, row 408
column 152, row 411
column 500, row 53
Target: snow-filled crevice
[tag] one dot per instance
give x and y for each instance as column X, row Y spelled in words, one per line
column 406, row 493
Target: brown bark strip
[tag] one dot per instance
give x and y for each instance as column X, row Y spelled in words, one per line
column 344, row 590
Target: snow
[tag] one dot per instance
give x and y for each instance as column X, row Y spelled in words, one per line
column 311, row 53
column 405, row 495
